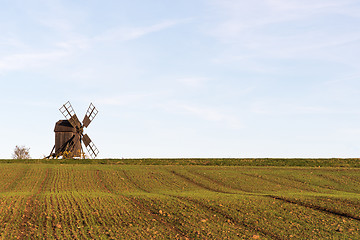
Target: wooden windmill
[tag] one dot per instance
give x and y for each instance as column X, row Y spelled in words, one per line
column 69, row 135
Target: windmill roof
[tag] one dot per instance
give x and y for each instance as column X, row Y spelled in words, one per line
column 64, row 126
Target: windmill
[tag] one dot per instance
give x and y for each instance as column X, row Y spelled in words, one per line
column 69, row 134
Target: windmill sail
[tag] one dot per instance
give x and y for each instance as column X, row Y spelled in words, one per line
column 90, row 115
column 70, row 115
column 90, row 146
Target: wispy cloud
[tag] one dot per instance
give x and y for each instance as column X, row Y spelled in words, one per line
column 30, row 60
column 248, row 15
column 125, row 99
column 271, row 108
column 342, row 89
column 207, row 113
column 193, row 82
column 75, row 44
column 11, row 42
column 251, row 32
column 34, row 57
column 130, row 33
column 349, row 131
column 341, row 80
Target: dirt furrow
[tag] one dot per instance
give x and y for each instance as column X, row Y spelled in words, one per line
column 32, row 208
column 16, row 180
column 146, row 210
column 81, row 213
column 102, row 181
column 277, row 182
column 197, row 183
column 236, row 221
column 217, row 182
column 130, row 179
column 314, row 207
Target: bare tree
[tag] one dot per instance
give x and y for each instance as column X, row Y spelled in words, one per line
column 21, row 152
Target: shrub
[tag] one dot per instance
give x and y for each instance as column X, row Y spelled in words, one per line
column 21, row 152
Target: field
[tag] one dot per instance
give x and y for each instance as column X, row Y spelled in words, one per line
column 180, row 199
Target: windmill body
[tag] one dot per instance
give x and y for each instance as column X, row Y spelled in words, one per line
column 69, row 134
column 64, row 131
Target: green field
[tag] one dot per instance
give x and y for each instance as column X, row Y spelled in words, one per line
column 180, row 199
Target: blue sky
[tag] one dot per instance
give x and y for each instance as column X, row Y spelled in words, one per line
column 214, row 78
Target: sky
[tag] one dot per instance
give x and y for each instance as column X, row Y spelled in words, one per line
column 183, row 79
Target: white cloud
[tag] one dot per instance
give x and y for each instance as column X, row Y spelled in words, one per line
column 194, row 82
column 35, row 58
column 307, row 5
column 347, row 78
column 280, row 29
column 349, row 131
column 124, row 99
column 272, row 108
column 211, row 114
column 30, row 60
column 80, row 43
column 27, row 56
column 344, row 90
column 131, row 33
column 11, row 42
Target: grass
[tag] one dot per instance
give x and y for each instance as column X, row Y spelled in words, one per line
column 180, row 199
column 294, row 162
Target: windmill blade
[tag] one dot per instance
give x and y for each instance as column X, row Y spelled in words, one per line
column 86, row 140
column 90, row 146
column 90, row 115
column 70, row 115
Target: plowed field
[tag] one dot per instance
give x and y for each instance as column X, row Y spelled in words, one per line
column 104, row 201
